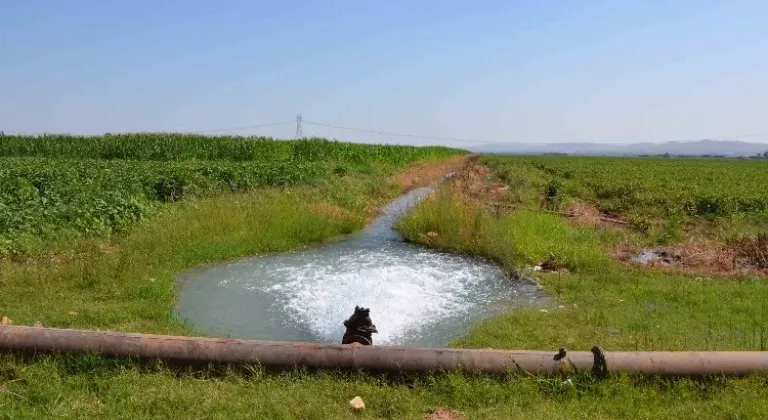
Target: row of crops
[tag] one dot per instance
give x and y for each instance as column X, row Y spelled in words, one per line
column 65, row 186
column 178, row 147
column 656, row 186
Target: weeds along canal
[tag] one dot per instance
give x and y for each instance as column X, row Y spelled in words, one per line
column 417, row 296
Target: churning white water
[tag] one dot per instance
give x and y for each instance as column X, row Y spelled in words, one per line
column 417, row 296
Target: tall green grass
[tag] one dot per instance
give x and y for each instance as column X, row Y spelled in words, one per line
column 173, row 146
column 512, row 241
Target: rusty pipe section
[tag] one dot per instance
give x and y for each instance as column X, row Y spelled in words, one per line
column 373, row 358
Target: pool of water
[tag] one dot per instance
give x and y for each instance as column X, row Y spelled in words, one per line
column 417, row 296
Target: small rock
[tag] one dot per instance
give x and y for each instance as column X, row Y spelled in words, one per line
column 73, row 313
column 432, row 234
column 357, row 403
column 537, row 268
column 6, row 321
column 38, row 324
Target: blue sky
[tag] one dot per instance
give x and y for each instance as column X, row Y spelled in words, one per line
column 502, row 71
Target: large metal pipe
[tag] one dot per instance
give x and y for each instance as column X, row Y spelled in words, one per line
column 374, row 358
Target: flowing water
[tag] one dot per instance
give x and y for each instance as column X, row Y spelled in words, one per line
column 417, row 296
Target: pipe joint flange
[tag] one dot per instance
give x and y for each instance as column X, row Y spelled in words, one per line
column 599, row 365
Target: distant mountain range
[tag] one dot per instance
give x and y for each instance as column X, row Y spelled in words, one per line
column 685, row 148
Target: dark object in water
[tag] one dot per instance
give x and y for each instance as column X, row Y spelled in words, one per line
column 360, row 328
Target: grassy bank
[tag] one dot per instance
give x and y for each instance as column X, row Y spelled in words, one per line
column 128, row 284
column 83, row 388
column 124, row 281
column 600, row 301
column 96, row 243
column 62, row 188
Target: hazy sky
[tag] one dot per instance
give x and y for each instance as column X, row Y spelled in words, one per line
column 504, row 71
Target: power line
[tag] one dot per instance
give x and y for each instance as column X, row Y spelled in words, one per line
column 396, row 134
column 300, row 132
column 247, row 127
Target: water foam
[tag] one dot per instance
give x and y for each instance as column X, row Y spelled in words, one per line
column 405, row 292
column 417, row 296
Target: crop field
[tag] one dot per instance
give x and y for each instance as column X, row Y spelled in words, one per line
column 59, row 198
column 180, row 147
column 62, row 187
column 93, row 231
column 653, row 187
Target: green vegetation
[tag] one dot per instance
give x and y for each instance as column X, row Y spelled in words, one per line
column 128, row 283
column 117, row 272
column 86, row 388
column 603, row 302
column 82, row 230
column 599, row 301
column 57, row 199
column 180, row 147
column 678, row 190
column 103, row 185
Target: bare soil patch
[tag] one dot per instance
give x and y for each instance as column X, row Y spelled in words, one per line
column 741, row 257
column 427, row 173
column 588, row 215
column 441, row 414
column 476, row 183
column 551, row 265
column 583, row 214
column 753, row 249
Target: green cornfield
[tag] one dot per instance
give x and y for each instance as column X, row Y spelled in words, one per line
column 171, row 146
column 59, row 187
